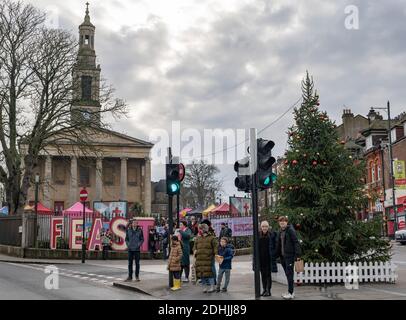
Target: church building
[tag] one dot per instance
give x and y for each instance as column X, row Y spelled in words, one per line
column 122, row 168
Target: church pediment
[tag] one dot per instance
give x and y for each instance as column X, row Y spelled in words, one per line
column 108, row 137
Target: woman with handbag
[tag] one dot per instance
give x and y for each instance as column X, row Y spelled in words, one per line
column 288, row 249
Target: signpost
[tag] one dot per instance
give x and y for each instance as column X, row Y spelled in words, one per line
column 83, row 197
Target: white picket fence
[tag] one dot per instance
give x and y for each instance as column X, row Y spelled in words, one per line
column 342, row 272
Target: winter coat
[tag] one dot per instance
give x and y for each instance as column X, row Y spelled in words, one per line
column 291, row 245
column 226, row 232
column 175, row 257
column 134, row 239
column 186, row 246
column 272, row 251
column 165, row 237
column 227, row 254
column 206, row 247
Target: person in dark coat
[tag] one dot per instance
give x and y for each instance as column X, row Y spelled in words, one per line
column 288, row 249
column 165, row 241
column 134, row 239
column 213, row 233
column 185, row 234
column 206, row 248
column 225, row 232
column 152, row 239
column 267, row 257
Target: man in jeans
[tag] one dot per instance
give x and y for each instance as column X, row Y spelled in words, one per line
column 134, row 239
column 288, row 249
column 226, row 253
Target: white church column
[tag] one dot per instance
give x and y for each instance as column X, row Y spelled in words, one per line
column 123, row 179
column 47, row 182
column 147, row 186
column 73, row 196
column 99, row 179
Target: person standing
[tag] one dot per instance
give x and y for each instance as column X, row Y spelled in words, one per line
column 106, row 243
column 267, row 257
column 288, row 249
column 206, row 248
column 134, row 239
column 185, row 234
column 174, row 262
column 226, row 254
column 225, row 231
column 152, row 238
column 165, row 241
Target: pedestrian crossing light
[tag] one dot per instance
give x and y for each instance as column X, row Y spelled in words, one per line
column 265, row 176
column 172, row 179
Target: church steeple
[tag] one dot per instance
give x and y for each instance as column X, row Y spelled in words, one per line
column 86, row 75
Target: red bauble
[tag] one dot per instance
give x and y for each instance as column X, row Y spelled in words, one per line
column 342, row 141
column 283, row 188
column 297, row 227
column 314, row 163
column 286, row 161
column 296, row 187
column 294, row 162
column 317, row 103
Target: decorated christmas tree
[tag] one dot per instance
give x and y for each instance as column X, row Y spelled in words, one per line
column 321, row 190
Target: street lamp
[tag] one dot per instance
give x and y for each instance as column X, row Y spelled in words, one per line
column 392, row 177
column 36, row 209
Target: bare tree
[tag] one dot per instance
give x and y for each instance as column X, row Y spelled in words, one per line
column 36, row 94
column 202, row 183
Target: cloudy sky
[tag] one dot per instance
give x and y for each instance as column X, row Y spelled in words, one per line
column 238, row 63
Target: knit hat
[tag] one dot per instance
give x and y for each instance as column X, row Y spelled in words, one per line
column 204, row 227
column 206, row 221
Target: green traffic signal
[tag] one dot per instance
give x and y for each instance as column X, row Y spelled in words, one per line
column 174, row 188
column 267, row 181
column 172, row 179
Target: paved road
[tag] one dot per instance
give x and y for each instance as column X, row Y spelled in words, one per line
column 94, row 279
column 27, row 281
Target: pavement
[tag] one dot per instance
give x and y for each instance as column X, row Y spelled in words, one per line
column 98, row 279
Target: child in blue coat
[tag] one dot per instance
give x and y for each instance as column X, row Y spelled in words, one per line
column 225, row 256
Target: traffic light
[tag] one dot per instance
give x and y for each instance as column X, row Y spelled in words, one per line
column 265, row 176
column 242, row 182
column 172, row 179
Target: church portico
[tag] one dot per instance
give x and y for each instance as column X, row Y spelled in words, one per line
column 111, row 165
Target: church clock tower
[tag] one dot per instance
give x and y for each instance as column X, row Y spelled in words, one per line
column 86, row 76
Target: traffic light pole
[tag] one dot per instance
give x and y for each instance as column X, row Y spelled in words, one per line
column 177, row 211
column 254, row 196
column 170, row 219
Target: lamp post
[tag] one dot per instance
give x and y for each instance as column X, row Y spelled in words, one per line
column 36, row 210
column 392, row 177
